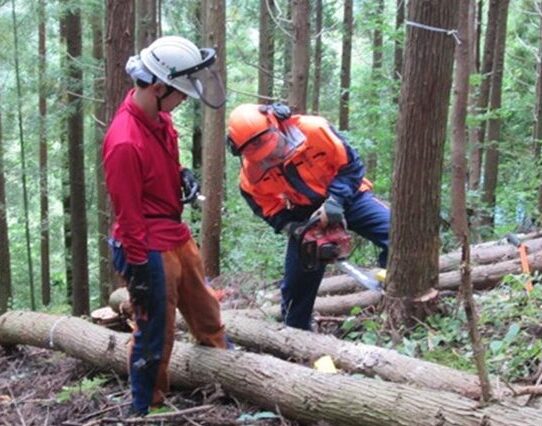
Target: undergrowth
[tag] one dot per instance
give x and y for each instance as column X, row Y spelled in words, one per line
column 510, row 322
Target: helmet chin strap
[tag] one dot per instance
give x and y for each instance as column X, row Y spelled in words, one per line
column 159, row 99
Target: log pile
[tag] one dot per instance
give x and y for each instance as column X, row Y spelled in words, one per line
column 298, row 392
column 374, row 386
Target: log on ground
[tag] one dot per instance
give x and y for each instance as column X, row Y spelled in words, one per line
column 298, row 392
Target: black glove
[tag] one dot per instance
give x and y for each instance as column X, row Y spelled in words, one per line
column 190, row 186
column 331, row 212
column 139, row 285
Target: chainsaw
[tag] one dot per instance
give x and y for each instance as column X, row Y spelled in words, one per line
column 333, row 244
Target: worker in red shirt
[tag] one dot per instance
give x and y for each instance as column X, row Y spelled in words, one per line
column 296, row 169
column 152, row 246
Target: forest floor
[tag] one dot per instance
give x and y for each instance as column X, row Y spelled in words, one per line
column 42, row 387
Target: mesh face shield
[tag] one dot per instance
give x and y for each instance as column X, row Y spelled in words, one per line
column 269, row 150
column 205, row 79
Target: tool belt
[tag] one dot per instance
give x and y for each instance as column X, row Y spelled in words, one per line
column 176, row 217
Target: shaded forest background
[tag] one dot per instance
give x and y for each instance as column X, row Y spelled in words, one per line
column 248, row 247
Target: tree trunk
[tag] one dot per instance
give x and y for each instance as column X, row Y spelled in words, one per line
column 478, row 135
column 64, row 173
column 537, row 128
column 266, row 52
column 5, row 264
column 119, row 46
column 297, row 392
column 43, row 166
column 213, row 145
column 425, row 94
column 491, row 168
column 78, row 223
column 398, row 44
column 297, row 98
column 145, row 23
column 346, row 64
column 105, row 274
column 317, row 77
column 23, row 158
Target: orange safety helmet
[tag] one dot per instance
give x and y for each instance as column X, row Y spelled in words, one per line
column 247, row 122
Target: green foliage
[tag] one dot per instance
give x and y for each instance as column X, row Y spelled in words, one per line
column 87, row 387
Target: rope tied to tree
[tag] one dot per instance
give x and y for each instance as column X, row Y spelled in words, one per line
column 453, row 33
column 52, row 330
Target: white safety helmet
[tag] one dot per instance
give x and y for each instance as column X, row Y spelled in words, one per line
column 178, row 63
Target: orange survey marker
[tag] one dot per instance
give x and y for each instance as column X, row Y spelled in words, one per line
column 522, row 249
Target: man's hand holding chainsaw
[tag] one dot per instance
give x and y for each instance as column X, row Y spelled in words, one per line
column 331, row 212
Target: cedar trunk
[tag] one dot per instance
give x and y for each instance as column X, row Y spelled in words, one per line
column 266, row 60
column 297, row 98
column 421, row 128
column 5, row 266
column 297, row 392
column 346, row 62
column 44, row 197
column 317, row 62
column 213, row 146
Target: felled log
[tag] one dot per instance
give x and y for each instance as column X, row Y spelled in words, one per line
column 298, row 392
column 371, row 361
column 487, row 254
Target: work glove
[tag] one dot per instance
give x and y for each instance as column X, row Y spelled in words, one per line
column 139, row 286
column 190, row 186
column 331, row 212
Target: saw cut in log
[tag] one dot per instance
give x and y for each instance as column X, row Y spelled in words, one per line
column 487, row 255
column 297, row 392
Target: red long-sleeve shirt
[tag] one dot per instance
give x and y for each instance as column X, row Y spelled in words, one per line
column 141, row 165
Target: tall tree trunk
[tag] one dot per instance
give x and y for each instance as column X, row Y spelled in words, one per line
column 145, row 22
column 119, row 46
column 266, row 60
column 317, row 78
column 478, row 135
column 105, row 274
column 297, row 97
column 537, row 128
column 43, row 161
column 76, row 153
column 5, row 264
column 413, row 265
column 213, row 147
column 64, row 173
column 376, row 83
column 346, row 62
column 459, row 175
column 398, row 45
column 287, row 51
column 491, row 168
column 23, row 158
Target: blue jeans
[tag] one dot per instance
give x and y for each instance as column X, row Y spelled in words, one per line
column 366, row 216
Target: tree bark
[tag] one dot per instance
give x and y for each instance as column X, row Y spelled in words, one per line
column 478, row 135
column 421, row 133
column 145, row 22
column 317, row 77
column 213, row 145
column 398, row 43
column 491, row 167
column 297, row 98
column 266, row 68
column 5, row 264
column 78, row 218
column 346, row 62
column 297, row 392
column 43, row 160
